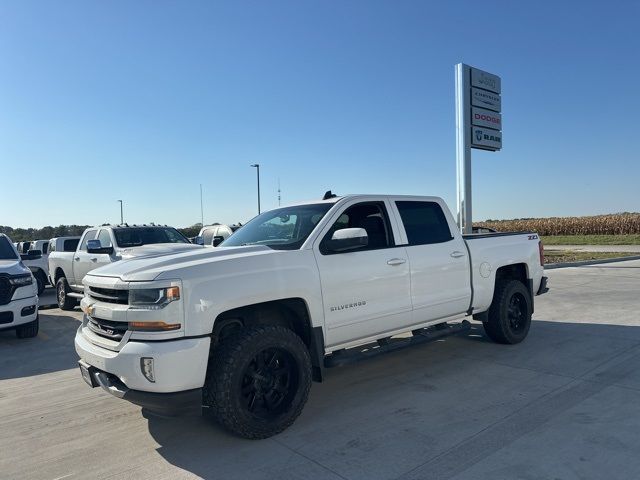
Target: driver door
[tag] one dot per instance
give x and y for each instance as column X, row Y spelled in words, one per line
column 365, row 291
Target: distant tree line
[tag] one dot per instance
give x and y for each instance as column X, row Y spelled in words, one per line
column 45, row 233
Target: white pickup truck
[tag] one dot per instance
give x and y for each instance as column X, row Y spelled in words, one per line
column 243, row 329
column 18, row 293
column 104, row 245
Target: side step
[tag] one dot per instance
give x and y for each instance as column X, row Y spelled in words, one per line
column 424, row 335
column 75, row 295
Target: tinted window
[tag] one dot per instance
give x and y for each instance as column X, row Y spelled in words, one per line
column 91, row 235
column 281, row 229
column 370, row 216
column 70, row 245
column 424, row 222
column 6, row 250
column 137, row 236
column 105, row 238
column 45, row 248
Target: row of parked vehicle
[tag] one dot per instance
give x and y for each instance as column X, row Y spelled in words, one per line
column 27, row 268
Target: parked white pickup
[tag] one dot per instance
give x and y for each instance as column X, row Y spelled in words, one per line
column 242, row 329
column 104, row 245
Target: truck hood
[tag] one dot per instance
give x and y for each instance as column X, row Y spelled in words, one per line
column 157, row 249
column 12, row 267
column 148, row 268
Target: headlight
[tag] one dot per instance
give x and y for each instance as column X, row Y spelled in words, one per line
column 21, row 280
column 153, row 298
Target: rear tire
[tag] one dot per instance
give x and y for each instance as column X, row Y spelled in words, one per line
column 28, row 330
column 65, row 302
column 509, row 317
column 258, row 381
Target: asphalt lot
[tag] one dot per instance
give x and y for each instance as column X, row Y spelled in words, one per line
column 565, row 404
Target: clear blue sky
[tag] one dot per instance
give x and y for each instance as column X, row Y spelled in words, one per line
column 145, row 100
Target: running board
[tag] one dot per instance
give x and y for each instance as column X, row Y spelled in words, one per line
column 75, row 295
column 423, row 335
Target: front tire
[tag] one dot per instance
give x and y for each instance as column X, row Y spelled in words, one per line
column 509, row 317
column 65, row 302
column 258, row 381
column 28, row 330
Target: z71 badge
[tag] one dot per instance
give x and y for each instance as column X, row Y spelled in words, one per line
column 533, row 237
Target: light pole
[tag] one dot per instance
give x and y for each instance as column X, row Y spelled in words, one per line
column 257, row 167
column 201, row 209
column 121, row 213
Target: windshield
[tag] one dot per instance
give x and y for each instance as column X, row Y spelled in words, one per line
column 137, row 236
column 281, row 229
column 6, row 250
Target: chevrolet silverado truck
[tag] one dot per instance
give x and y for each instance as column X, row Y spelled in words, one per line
column 18, row 293
column 106, row 244
column 240, row 331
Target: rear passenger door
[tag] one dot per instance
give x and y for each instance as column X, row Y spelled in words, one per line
column 438, row 259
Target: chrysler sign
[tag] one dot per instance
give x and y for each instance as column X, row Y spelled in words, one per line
column 485, row 99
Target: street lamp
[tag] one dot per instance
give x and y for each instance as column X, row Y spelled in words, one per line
column 121, row 213
column 257, row 167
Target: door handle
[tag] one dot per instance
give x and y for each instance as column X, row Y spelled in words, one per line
column 457, row 254
column 77, row 259
column 396, row 261
column 94, row 259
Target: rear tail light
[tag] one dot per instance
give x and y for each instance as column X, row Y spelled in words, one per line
column 541, row 250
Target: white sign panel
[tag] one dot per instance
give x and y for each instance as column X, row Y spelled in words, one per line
column 486, row 118
column 485, row 99
column 488, row 81
column 486, row 138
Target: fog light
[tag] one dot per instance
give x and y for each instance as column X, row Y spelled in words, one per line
column 146, row 365
column 26, row 311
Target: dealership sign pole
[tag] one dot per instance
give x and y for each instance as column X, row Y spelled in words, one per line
column 478, row 125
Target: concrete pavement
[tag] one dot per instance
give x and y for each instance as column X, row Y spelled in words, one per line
column 565, row 404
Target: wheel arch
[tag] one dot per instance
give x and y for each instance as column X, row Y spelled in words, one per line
column 292, row 313
column 516, row 271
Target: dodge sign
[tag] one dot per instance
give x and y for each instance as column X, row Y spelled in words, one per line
column 486, row 118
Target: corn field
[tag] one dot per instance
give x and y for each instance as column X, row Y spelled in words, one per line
column 613, row 224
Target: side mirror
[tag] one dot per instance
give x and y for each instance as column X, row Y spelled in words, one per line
column 198, row 240
column 94, row 246
column 217, row 240
column 348, row 239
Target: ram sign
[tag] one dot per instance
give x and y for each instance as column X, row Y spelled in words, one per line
column 486, row 138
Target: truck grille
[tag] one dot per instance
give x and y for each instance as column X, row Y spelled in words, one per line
column 108, row 329
column 6, row 291
column 109, row 295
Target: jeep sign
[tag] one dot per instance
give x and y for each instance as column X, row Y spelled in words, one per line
column 486, row 138
column 485, row 80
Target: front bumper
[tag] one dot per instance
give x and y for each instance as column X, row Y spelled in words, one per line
column 179, row 365
column 183, row 403
column 18, row 312
column 543, row 286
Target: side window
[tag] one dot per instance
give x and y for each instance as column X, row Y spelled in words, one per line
column 105, row 238
column 424, row 222
column 90, row 235
column 45, row 248
column 372, row 217
column 70, row 245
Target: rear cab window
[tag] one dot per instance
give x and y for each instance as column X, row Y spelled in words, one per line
column 424, row 222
